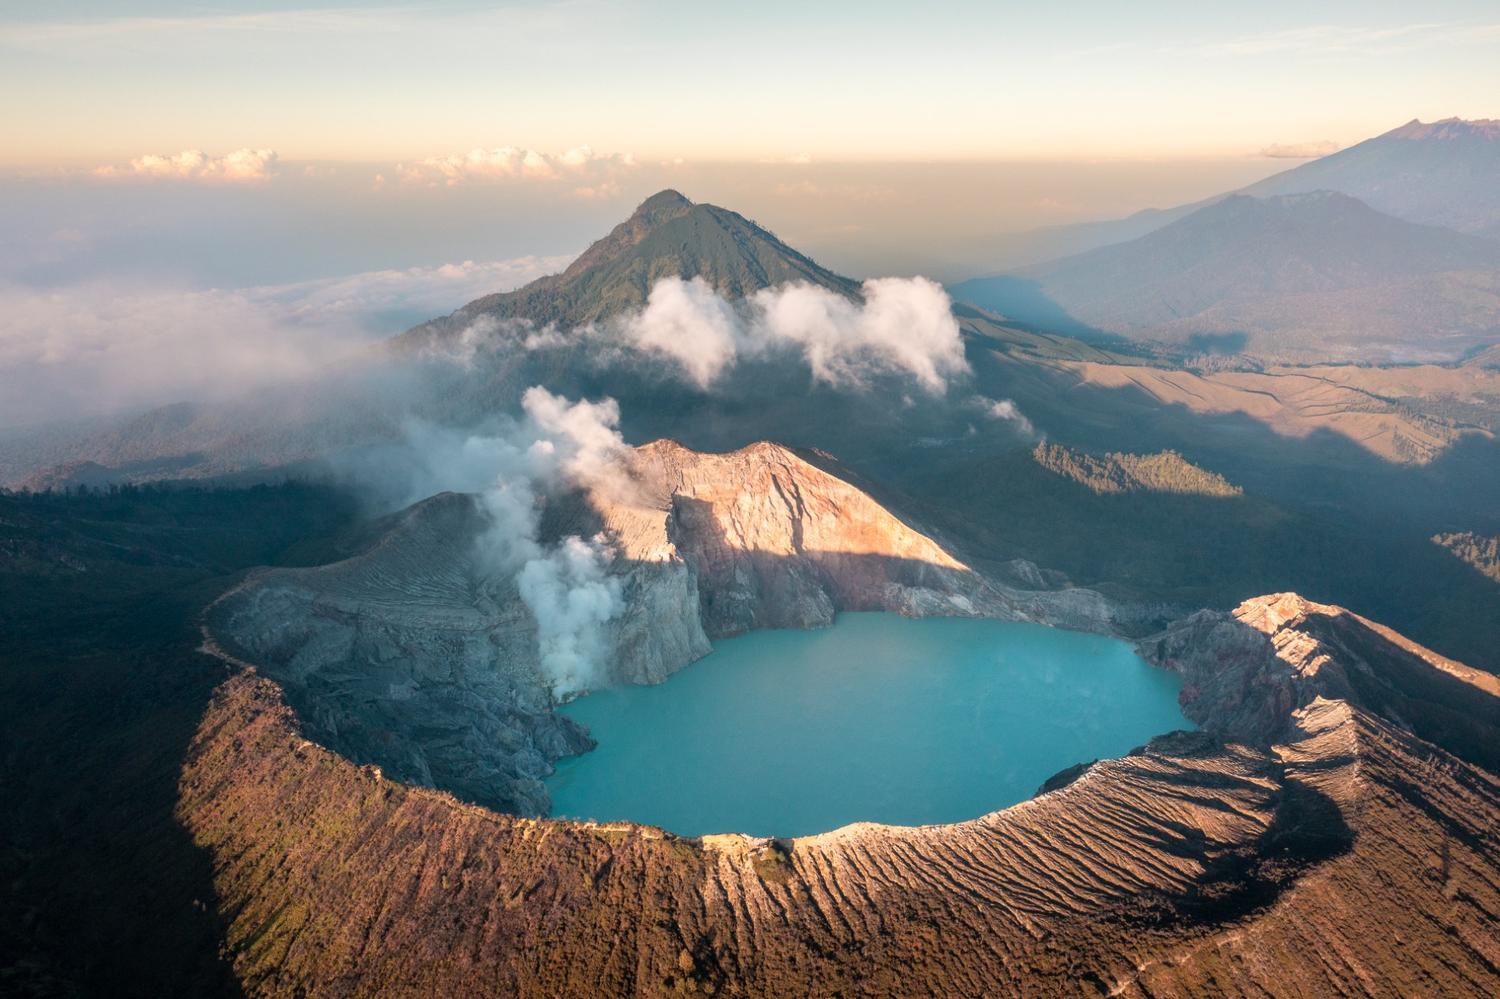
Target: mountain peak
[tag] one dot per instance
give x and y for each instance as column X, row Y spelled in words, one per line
column 1447, row 128
column 661, row 206
column 666, row 236
column 1288, row 276
column 1434, row 173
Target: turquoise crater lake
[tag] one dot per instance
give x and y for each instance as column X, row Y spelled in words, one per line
column 879, row 718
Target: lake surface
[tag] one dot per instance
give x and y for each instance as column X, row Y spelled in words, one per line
column 878, row 718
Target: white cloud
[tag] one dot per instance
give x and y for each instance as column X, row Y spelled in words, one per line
column 690, row 323
column 1336, row 39
column 592, row 174
column 1300, row 150
column 1005, row 409
column 904, row 325
column 430, row 290
column 92, row 348
column 243, row 166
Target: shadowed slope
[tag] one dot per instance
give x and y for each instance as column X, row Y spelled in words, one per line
column 1300, row 276
column 1243, row 671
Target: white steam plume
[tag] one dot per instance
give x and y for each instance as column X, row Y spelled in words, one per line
column 904, row 325
column 566, row 587
column 1005, row 409
column 572, row 600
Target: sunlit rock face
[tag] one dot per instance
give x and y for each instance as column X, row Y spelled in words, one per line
column 417, row 655
column 1245, row 671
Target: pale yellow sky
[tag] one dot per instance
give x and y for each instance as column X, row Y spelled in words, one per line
column 105, row 83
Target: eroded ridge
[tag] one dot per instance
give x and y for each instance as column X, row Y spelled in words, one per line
column 1350, row 858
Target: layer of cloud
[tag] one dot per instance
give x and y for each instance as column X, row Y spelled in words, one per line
column 97, row 348
column 243, row 166
column 427, row 291
column 92, row 348
column 593, row 175
column 1336, row 39
column 1300, row 150
column 903, row 325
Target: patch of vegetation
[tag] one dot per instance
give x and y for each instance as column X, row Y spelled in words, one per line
column 101, row 688
column 773, row 862
column 1117, row 472
column 1477, row 550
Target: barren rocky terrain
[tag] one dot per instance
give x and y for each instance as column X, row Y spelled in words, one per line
column 1330, row 829
column 416, row 655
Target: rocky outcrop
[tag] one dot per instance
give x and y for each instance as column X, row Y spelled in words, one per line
column 1478, row 551
column 1118, row 472
column 1244, row 673
column 406, row 655
column 776, row 542
column 417, row 656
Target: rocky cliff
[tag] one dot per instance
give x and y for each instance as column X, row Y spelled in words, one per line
column 1244, row 673
column 416, row 656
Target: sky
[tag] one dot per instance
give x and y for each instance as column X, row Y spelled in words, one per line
column 194, row 175
column 93, row 82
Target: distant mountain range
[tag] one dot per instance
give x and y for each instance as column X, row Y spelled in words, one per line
column 1294, row 277
column 1306, row 440
column 1376, row 253
column 1445, row 173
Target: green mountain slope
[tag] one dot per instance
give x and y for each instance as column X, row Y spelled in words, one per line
column 667, row 236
